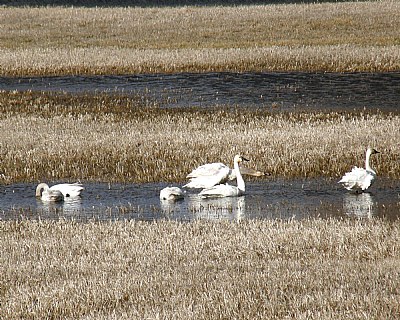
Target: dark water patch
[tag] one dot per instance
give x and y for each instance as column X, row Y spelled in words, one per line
column 282, row 91
column 268, row 199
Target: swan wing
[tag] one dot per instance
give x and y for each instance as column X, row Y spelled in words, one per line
column 210, row 169
column 221, row 190
column 69, row 190
column 358, row 178
column 205, row 182
column 208, row 175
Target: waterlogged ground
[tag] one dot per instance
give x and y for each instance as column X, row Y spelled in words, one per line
column 265, row 199
column 281, row 91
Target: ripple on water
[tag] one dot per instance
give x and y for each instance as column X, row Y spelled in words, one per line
column 282, row 91
column 267, row 199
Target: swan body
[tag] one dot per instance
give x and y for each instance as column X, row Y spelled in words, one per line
column 211, row 174
column 68, row 190
column 360, row 179
column 171, row 194
column 226, row 190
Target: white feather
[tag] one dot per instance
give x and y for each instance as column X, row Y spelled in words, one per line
column 360, row 179
column 46, row 194
column 171, row 194
column 68, row 190
column 211, row 174
column 226, row 190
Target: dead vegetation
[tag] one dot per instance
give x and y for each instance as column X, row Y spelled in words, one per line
column 350, row 36
column 130, row 139
column 313, row 269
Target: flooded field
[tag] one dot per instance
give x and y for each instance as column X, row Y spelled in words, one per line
column 283, row 91
column 265, row 198
column 268, row 199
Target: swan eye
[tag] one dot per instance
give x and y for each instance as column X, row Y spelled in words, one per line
column 67, row 195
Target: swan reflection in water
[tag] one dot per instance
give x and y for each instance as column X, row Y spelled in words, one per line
column 194, row 207
column 65, row 208
column 230, row 208
column 359, row 205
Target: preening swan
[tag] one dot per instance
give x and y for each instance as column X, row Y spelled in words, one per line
column 68, row 190
column 211, row 174
column 360, row 179
column 46, row 194
column 226, row 190
column 171, row 194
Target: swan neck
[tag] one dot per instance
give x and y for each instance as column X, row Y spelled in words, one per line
column 367, row 156
column 239, row 178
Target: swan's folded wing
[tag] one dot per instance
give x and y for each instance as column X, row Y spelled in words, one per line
column 221, row 190
column 357, row 178
column 69, row 190
column 203, row 182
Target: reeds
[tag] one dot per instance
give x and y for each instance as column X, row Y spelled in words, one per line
column 129, row 139
column 357, row 36
column 313, row 269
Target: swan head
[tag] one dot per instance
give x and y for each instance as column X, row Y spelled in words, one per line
column 373, row 151
column 40, row 188
column 239, row 158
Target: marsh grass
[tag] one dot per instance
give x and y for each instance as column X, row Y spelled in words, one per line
column 313, row 269
column 351, row 36
column 130, row 139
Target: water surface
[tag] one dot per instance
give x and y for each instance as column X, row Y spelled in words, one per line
column 264, row 199
column 283, row 90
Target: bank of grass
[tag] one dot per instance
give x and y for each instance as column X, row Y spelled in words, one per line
column 313, row 269
column 350, row 36
column 47, row 137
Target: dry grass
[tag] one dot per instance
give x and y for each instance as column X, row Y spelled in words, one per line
column 126, row 139
column 313, row 269
column 331, row 36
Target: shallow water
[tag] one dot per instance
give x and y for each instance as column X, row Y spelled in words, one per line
column 264, row 199
column 282, row 91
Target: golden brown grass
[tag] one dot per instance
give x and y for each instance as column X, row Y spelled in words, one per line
column 313, row 269
column 347, row 36
column 125, row 139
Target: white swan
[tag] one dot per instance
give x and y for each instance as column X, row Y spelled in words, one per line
column 360, row 179
column 46, row 194
column 68, row 190
column 211, row 174
column 171, row 194
column 226, row 190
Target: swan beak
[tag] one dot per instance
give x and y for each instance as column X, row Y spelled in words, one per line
column 244, row 159
column 375, row 151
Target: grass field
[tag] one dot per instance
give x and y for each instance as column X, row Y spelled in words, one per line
column 125, row 139
column 350, row 36
column 314, row 269
column 309, row 269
